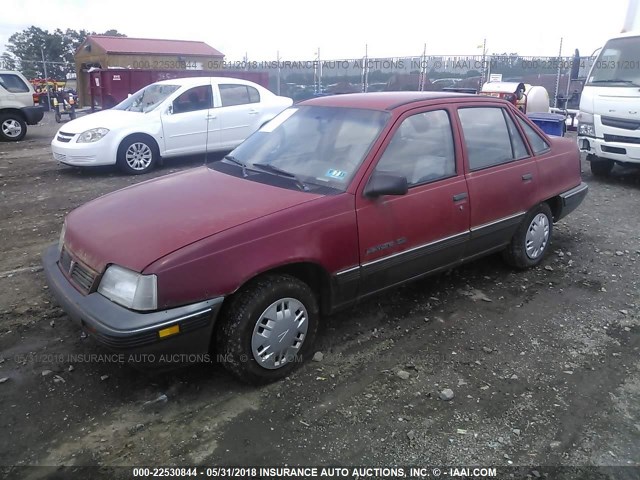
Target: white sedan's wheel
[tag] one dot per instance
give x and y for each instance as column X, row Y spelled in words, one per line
column 137, row 154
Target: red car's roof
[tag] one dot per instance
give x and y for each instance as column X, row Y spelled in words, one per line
column 387, row 100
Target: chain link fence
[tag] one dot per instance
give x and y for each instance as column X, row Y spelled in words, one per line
column 562, row 77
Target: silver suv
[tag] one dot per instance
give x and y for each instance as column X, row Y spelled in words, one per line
column 18, row 106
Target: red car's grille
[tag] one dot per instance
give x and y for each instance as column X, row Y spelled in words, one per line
column 82, row 276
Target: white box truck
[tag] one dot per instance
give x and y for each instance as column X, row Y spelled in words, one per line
column 609, row 118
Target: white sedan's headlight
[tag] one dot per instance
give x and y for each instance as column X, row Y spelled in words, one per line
column 129, row 289
column 92, row 135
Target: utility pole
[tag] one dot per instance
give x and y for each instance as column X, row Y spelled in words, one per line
column 484, row 66
column 318, row 74
column 555, row 96
column 46, row 79
column 422, row 78
column 365, row 69
column 278, row 84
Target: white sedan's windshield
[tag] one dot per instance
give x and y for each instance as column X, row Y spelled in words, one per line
column 147, row 99
column 318, row 145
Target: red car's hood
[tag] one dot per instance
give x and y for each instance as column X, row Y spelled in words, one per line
column 140, row 224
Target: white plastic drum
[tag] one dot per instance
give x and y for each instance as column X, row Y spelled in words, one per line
column 537, row 99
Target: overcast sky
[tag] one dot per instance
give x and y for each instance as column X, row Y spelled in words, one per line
column 341, row 29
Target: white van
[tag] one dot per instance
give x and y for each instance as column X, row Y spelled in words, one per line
column 18, row 106
column 609, row 118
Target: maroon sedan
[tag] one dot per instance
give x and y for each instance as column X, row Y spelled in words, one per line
column 336, row 199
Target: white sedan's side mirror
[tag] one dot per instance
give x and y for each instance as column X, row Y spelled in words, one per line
column 170, row 109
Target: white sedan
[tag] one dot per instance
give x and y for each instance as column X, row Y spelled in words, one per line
column 166, row 119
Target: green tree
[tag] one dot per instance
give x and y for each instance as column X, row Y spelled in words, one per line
column 113, row 33
column 28, row 47
column 7, row 62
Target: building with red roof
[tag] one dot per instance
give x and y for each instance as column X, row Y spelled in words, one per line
column 101, row 51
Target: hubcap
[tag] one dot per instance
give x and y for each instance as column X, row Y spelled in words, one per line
column 11, row 128
column 279, row 333
column 139, row 156
column 537, row 236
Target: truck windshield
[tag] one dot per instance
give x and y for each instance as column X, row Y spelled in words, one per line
column 147, row 99
column 618, row 64
column 321, row 146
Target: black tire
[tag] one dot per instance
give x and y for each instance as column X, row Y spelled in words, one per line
column 240, row 317
column 516, row 253
column 601, row 167
column 137, row 154
column 13, row 128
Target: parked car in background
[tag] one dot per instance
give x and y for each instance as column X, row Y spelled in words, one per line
column 442, row 83
column 167, row 119
column 18, row 106
column 336, row 199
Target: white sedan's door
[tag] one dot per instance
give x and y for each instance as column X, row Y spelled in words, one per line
column 239, row 113
column 188, row 125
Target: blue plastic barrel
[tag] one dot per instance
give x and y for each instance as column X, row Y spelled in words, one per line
column 549, row 123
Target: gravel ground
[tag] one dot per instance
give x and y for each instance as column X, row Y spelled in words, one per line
column 482, row 365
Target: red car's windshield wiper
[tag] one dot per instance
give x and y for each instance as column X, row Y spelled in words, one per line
column 278, row 171
column 233, row 159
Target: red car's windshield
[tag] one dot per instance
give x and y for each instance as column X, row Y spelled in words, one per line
column 318, row 145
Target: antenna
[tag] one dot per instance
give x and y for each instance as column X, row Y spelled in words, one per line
column 209, row 118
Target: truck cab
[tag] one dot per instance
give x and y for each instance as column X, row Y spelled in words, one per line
column 609, row 118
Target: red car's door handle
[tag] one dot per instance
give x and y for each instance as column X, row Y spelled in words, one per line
column 460, row 196
column 527, row 176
